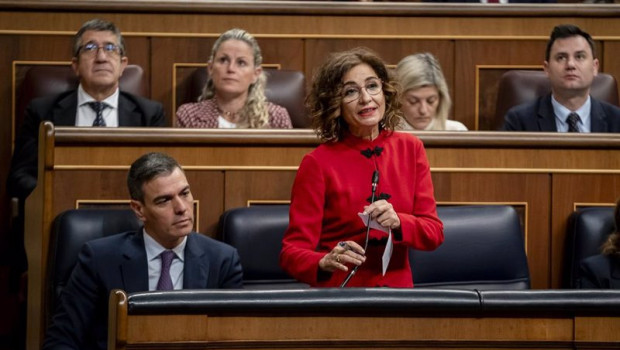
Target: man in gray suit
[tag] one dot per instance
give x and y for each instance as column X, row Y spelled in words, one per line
column 571, row 65
column 164, row 255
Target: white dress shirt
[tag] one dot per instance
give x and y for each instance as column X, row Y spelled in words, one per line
column 86, row 115
column 561, row 116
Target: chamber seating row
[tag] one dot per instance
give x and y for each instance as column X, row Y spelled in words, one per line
column 286, row 88
column 483, row 251
column 483, row 247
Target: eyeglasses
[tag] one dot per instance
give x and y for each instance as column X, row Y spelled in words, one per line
column 91, row 49
column 352, row 92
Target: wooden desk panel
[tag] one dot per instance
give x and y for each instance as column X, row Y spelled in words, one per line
column 373, row 326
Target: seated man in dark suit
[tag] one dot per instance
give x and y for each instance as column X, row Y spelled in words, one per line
column 571, row 65
column 98, row 60
column 603, row 271
column 164, row 255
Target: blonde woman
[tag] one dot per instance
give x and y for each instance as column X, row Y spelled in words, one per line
column 234, row 96
column 426, row 100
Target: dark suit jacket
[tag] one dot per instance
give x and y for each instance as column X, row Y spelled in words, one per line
column 539, row 116
column 62, row 110
column 119, row 262
column 600, row 272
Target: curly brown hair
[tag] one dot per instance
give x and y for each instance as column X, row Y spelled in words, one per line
column 325, row 98
column 612, row 245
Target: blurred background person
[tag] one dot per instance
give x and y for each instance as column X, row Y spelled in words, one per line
column 426, row 100
column 234, row 96
column 355, row 106
column 603, row 270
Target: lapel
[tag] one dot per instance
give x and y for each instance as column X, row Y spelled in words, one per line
column 598, row 122
column 546, row 116
column 134, row 267
column 65, row 110
column 127, row 112
column 196, row 270
column 614, row 276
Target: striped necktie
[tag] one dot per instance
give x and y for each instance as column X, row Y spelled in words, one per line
column 572, row 121
column 98, row 107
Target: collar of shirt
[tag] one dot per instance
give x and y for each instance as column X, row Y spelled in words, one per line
column 153, row 251
column 153, row 248
column 86, row 115
column 561, row 115
column 225, row 124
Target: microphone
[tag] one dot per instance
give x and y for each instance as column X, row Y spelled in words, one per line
column 375, row 182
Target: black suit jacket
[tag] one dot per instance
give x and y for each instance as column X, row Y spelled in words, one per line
column 600, row 272
column 539, row 116
column 62, row 111
column 119, row 262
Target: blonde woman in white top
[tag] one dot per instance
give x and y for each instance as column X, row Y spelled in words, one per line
column 425, row 98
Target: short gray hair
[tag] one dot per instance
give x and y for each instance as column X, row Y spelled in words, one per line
column 98, row 25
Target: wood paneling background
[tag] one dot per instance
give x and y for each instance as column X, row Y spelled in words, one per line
column 299, row 36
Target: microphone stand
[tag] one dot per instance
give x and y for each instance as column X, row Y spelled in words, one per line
column 375, row 181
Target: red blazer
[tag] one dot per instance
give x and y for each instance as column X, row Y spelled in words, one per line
column 333, row 184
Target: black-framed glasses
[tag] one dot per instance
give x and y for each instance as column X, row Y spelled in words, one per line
column 91, row 49
column 352, row 92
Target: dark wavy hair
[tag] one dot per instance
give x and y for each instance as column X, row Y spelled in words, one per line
column 325, row 98
column 612, row 245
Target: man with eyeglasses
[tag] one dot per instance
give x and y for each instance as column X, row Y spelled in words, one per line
column 98, row 60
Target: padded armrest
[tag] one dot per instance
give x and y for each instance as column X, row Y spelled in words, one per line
column 570, row 302
column 378, row 301
column 347, row 300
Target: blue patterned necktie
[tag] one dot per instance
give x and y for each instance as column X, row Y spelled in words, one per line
column 165, row 282
column 98, row 107
column 572, row 121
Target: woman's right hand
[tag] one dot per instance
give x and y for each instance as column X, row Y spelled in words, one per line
column 346, row 252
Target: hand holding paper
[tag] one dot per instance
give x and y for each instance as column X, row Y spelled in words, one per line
column 389, row 246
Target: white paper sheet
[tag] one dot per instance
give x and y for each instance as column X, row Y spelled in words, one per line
column 387, row 253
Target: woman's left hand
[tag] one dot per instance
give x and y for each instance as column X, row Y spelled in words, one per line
column 384, row 213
